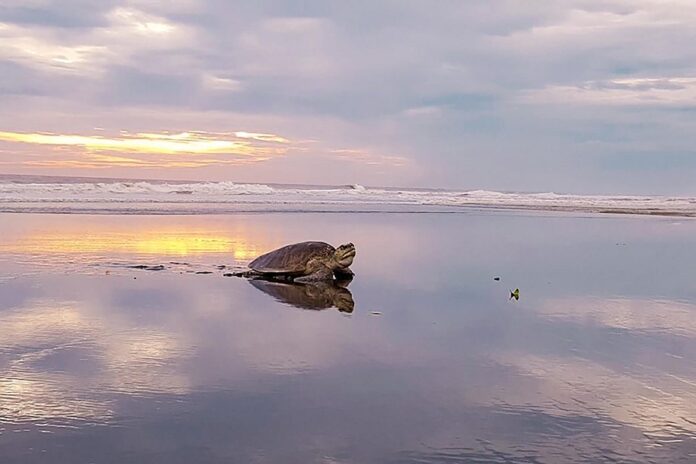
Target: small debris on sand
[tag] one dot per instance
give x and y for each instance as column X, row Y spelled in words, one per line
column 204, row 272
column 376, row 313
column 145, row 267
column 496, row 278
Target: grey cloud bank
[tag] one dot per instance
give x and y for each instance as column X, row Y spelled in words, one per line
column 577, row 96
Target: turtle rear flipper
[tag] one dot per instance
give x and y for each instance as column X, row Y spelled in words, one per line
column 249, row 273
column 322, row 274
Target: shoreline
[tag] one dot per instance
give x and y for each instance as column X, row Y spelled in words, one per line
column 322, row 209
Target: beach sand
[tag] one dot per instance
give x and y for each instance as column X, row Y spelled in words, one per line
column 105, row 361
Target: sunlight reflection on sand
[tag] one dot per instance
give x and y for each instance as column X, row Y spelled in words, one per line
column 117, row 359
column 658, row 315
column 158, row 238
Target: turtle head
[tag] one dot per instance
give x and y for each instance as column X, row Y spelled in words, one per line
column 344, row 255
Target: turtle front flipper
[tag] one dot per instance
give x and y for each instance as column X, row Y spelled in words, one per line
column 344, row 274
column 322, row 274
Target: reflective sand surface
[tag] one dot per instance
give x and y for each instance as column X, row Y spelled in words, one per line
column 101, row 362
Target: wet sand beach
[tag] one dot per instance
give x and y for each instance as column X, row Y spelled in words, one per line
column 121, row 340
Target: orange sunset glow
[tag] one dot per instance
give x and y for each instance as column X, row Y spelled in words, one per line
column 170, row 152
column 239, row 243
column 165, row 149
column 184, row 142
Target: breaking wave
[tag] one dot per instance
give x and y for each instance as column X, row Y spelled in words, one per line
column 151, row 197
column 87, row 188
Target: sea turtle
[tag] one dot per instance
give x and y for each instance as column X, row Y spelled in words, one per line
column 304, row 262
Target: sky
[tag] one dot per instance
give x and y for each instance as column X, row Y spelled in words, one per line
column 576, row 96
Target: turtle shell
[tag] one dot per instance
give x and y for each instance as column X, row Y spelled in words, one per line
column 291, row 259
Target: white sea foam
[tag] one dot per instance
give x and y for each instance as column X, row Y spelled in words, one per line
column 205, row 197
column 99, row 188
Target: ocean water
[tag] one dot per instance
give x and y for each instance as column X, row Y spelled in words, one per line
column 107, row 196
column 121, row 340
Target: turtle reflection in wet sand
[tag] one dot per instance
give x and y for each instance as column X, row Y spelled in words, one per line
column 304, row 262
column 316, row 295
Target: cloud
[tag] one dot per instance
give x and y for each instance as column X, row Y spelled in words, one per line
column 124, row 33
column 184, row 142
column 670, row 91
column 69, row 14
column 23, row 46
column 372, row 159
column 183, row 149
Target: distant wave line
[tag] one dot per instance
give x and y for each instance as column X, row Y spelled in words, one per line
column 233, row 197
